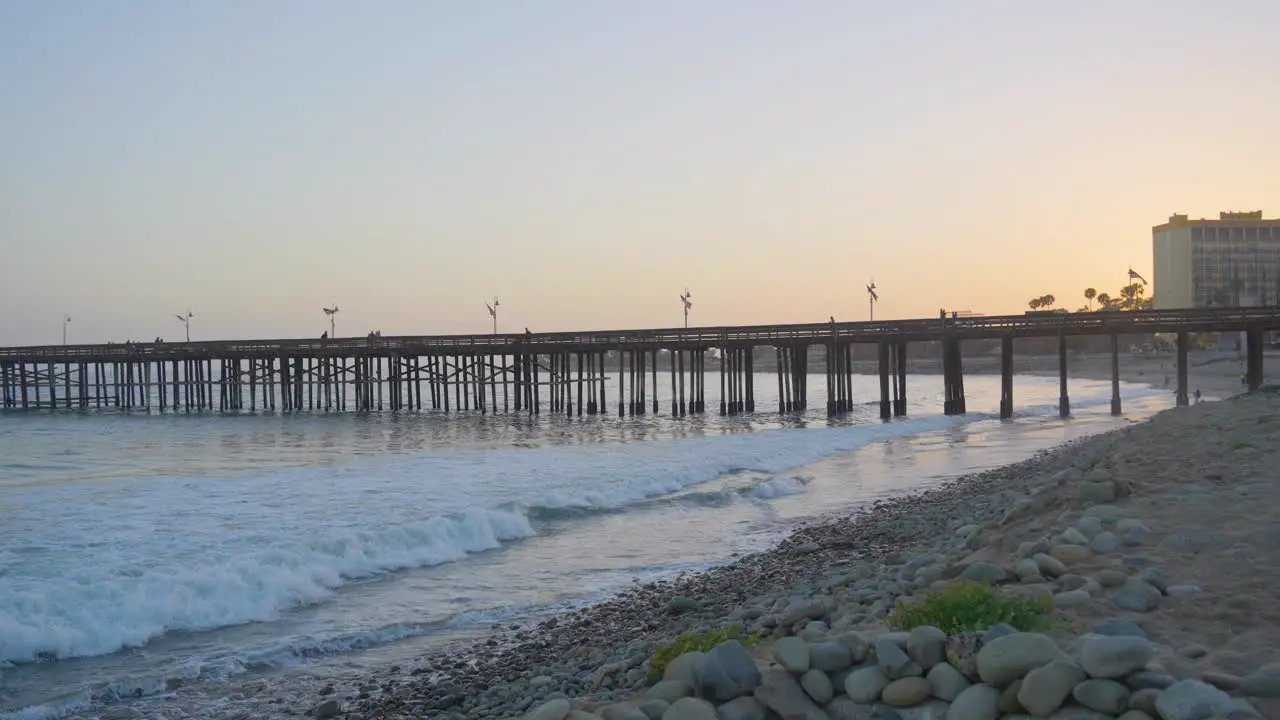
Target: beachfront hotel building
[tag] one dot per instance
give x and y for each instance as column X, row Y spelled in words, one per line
column 1231, row 261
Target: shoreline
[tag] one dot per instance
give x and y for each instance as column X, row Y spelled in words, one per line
column 498, row 668
column 598, row 655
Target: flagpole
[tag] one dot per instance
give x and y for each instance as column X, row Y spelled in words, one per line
column 66, row 320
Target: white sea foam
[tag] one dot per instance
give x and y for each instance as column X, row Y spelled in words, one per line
column 777, row 487
column 125, row 601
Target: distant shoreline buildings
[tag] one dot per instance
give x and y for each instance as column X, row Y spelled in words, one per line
column 1231, row 261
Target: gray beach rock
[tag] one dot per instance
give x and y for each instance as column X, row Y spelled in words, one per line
column 1027, row 571
column 830, row 657
column 670, row 690
column 1144, row 700
column 1050, row 567
column 728, row 672
column 1105, row 696
column 690, row 709
column 329, row 708
column 743, row 708
column 1045, row 688
column 1008, row 658
column 1192, row 700
column 684, row 668
column 927, row 646
column 1105, row 542
column 999, row 630
column 791, row 653
column 653, row 709
column 1132, row 532
column 1089, row 526
column 905, row 692
column 984, row 572
column 946, row 682
column 1114, row 657
column 1263, row 682
column 1071, row 554
column 557, row 709
column 780, row 692
column 1072, row 536
column 1144, row 679
column 1103, row 491
column 859, row 648
column 977, row 702
column 1112, row 578
column 1072, row 598
column 1137, row 595
column 818, row 686
column 891, row 657
column 864, row 685
column 1155, row 578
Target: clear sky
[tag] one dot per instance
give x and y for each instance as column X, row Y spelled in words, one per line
column 585, row 161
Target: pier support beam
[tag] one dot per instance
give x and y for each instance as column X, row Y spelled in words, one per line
column 1006, row 376
column 886, row 409
column 1253, row 366
column 1182, row 397
column 1064, row 400
column 1115, row 375
column 900, row 404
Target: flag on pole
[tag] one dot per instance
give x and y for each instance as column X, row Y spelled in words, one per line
column 330, row 311
column 688, row 304
column 1133, row 275
column 871, row 290
column 492, row 312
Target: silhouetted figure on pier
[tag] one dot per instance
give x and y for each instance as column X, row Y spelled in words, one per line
column 324, row 335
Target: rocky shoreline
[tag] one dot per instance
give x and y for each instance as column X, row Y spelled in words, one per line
column 1071, row 525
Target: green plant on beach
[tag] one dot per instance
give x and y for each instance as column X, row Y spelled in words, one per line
column 966, row 606
column 697, row 642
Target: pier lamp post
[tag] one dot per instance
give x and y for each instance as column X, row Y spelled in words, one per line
column 186, row 322
column 872, row 299
column 493, row 313
column 333, row 333
column 66, row 320
column 685, row 299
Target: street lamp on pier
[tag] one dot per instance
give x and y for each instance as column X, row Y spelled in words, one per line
column 186, row 322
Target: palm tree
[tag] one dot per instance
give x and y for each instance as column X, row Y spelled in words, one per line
column 1048, row 300
column 1035, row 303
column 1090, row 294
column 1104, row 301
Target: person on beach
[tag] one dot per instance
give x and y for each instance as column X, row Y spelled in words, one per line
column 1197, row 396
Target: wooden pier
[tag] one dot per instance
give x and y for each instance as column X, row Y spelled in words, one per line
column 575, row 373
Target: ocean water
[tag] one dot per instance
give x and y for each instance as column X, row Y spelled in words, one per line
column 152, row 559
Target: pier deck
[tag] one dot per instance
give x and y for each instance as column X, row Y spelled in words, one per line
column 566, row 372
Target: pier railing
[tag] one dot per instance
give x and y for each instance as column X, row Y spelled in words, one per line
column 917, row 330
